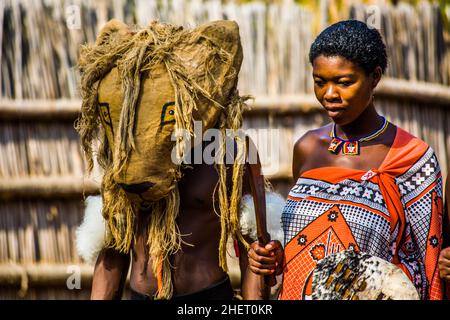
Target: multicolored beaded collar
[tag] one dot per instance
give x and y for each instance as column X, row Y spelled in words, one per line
column 352, row 147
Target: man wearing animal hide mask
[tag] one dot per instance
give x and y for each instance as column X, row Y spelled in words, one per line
column 171, row 221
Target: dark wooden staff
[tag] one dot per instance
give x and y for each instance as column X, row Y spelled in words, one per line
column 257, row 186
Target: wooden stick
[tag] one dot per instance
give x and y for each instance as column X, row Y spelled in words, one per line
column 417, row 91
column 46, row 187
column 39, row 109
column 257, row 186
column 42, row 274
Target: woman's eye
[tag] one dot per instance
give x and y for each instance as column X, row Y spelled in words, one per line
column 319, row 83
column 346, row 83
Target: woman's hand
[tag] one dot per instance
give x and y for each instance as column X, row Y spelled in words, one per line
column 444, row 264
column 266, row 260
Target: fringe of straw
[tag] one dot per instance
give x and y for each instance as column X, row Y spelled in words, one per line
column 229, row 206
column 118, row 211
column 164, row 239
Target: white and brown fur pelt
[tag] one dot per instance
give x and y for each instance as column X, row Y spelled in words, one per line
column 91, row 235
column 274, row 207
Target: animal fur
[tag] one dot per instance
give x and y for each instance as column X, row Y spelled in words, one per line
column 91, row 235
column 274, row 208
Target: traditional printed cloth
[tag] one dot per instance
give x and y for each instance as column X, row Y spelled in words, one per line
column 394, row 212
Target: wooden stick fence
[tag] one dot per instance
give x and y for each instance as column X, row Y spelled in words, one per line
column 38, row 58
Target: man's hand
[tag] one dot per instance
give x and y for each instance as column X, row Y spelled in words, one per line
column 444, row 264
column 268, row 259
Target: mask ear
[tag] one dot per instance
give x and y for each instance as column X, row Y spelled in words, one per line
column 112, row 29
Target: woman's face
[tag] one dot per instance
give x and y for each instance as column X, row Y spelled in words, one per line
column 342, row 87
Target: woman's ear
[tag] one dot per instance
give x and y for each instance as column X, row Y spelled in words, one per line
column 376, row 74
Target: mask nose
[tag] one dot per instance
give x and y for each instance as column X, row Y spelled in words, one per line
column 137, row 188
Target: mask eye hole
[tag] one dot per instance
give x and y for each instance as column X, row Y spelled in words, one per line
column 105, row 115
column 168, row 113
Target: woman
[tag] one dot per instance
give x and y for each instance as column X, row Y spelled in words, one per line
column 361, row 182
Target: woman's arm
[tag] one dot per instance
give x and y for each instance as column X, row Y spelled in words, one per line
column 302, row 148
column 110, row 273
column 252, row 285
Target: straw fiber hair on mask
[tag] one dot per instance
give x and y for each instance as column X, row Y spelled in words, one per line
column 137, row 87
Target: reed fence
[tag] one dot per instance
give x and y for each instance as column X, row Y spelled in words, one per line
column 42, row 173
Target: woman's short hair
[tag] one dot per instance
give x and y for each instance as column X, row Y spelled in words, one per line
column 353, row 40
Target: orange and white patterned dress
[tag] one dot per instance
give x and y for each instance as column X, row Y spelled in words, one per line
column 393, row 212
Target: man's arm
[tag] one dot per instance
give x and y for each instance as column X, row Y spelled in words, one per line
column 110, row 273
column 252, row 285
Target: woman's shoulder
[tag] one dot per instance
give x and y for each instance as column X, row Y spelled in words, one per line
column 406, row 140
column 311, row 138
column 408, row 155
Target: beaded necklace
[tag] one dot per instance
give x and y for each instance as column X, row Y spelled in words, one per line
column 352, row 147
